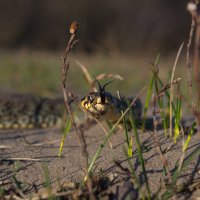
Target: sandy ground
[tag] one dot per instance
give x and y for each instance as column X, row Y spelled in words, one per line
column 69, row 167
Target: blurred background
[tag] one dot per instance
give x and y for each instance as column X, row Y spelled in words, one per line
column 120, row 37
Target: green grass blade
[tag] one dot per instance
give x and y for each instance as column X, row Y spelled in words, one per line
column 185, row 146
column 130, row 147
column 102, row 145
column 134, row 176
column 167, row 195
column 100, row 149
column 148, row 98
column 161, row 106
column 172, row 90
column 108, row 136
column 67, row 129
column 177, row 119
column 2, row 192
column 186, row 162
column 149, row 92
column 125, row 129
column 139, row 151
column 166, row 93
column 176, row 130
column 128, row 141
column 47, row 183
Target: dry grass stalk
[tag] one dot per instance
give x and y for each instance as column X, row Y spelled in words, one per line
column 104, row 130
column 164, row 110
column 171, row 88
column 39, row 144
column 122, row 168
column 5, row 147
column 188, row 56
column 24, row 159
column 160, row 151
column 109, row 75
column 86, row 74
column 192, row 8
column 79, row 132
column 165, row 87
column 91, row 81
column 65, row 68
column 196, row 61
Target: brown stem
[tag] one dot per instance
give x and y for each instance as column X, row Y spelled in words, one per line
column 188, row 55
column 79, row 132
column 196, row 62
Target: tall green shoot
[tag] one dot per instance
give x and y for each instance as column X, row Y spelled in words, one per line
column 139, row 153
column 149, row 92
column 177, row 118
column 66, row 131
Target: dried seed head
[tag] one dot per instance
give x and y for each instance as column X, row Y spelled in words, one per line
column 191, row 7
column 73, row 27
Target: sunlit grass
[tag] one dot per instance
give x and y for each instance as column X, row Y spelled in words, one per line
column 66, row 131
